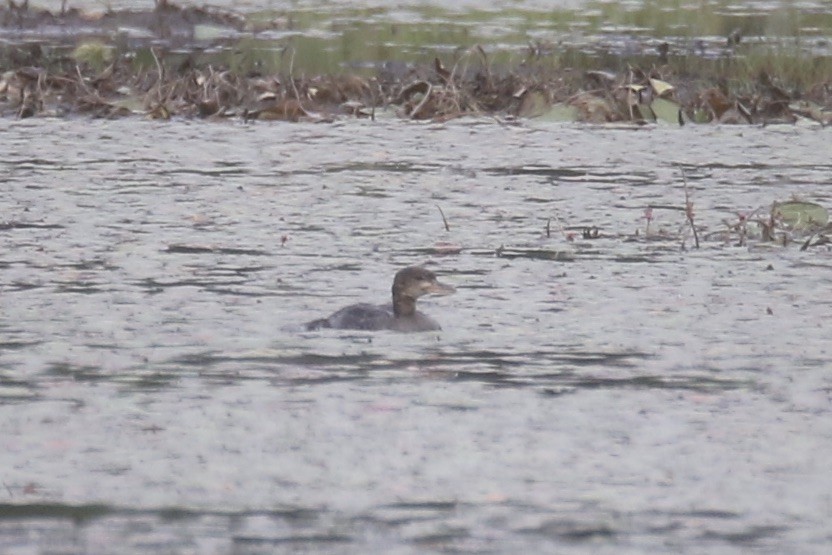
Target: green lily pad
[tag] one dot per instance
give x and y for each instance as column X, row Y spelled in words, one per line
column 559, row 113
column 701, row 116
column 800, row 215
column 665, row 110
column 95, row 54
column 643, row 113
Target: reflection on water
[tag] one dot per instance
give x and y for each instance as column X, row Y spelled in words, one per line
column 598, row 391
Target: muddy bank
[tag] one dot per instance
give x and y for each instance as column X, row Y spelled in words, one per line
column 174, row 61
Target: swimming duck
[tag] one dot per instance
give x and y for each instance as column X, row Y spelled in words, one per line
column 408, row 285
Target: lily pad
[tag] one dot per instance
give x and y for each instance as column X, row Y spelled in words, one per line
column 701, row 116
column 802, row 216
column 95, row 54
column 533, row 104
column 534, row 254
column 592, row 109
column 646, row 112
column 559, row 113
column 132, row 103
column 661, row 88
column 665, row 110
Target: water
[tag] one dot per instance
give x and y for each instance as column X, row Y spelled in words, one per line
column 603, row 395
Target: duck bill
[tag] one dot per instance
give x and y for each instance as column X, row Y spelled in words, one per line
column 437, row 288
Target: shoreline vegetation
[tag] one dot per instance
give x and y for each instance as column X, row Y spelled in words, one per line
column 195, row 62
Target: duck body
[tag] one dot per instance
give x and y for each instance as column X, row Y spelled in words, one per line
column 369, row 317
column 402, row 316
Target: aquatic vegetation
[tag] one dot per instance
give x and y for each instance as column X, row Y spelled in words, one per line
column 781, row 223
column 208, row 63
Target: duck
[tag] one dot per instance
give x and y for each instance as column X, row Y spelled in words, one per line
column 408, row 285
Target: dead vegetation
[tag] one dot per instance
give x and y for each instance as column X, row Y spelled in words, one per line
column 101, row 80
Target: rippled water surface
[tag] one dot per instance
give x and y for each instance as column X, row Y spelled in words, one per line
column 610, row 394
